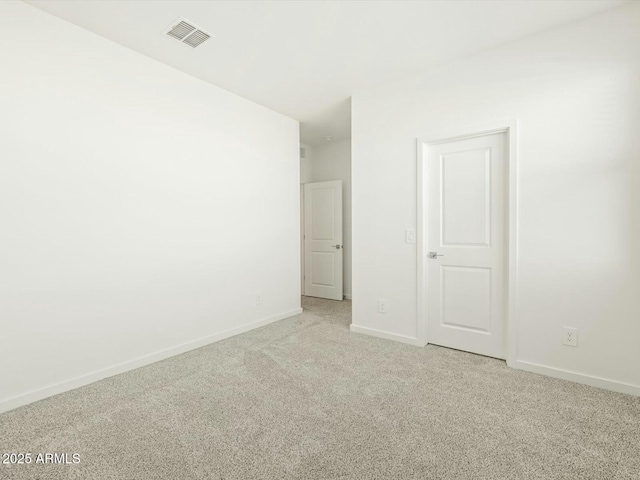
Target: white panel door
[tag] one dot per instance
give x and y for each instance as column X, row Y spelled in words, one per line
column 323, row 239
column 466, row 238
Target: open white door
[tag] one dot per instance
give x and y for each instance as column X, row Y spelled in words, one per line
column 466, row 205
column 323, row 239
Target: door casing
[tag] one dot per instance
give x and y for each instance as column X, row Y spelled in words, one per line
column 510, row 128
column 302, row 239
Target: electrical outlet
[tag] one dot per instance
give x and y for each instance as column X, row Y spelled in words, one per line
column 382, row 306
column 570, row 336
column 410, row 235
column 258, row 299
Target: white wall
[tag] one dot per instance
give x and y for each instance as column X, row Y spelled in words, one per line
column 332, row 161
column 576, row 94
column 143, row 209
column 306, row 176
column 306, row 164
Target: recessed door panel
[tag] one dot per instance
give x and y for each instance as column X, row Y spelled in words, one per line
column 322, row 212
column 322, row 269
column 466, row 201
column 466, row 298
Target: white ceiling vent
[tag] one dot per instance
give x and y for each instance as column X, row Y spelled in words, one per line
column 187, row 33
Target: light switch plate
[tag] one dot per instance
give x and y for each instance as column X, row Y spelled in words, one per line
column 382, row 306
column 410, row 235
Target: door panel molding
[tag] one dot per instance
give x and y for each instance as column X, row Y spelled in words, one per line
column 510, row 129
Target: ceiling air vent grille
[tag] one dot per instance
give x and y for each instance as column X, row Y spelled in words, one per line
column 181, row 30
column 187, row 33
column 196, row 38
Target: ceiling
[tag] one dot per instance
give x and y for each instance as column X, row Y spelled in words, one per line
column 306, row 58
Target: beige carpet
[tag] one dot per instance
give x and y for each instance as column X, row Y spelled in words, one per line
column 305, row 399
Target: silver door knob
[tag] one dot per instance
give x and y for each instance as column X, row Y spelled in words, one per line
column 337, row 247
column 435, row 254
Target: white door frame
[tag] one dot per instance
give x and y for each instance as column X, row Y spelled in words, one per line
column 302, row 239
column 511, row 130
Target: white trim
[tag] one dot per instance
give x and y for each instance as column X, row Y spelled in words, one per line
column 302, row 226
column 81, row 381
column 512, row 281
column 386, row 335
column 582, row 378
column 347, row 296
column 509, row 127
column 421, row 245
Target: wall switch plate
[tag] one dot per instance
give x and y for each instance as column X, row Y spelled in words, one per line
column 258, row 299
column 410, row 235
column 570, row 336
column 383, row 306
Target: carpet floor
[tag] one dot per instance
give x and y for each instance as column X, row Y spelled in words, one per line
column 305, row 399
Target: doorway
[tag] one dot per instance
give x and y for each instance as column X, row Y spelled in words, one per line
column 467, row 240
column 322, row 240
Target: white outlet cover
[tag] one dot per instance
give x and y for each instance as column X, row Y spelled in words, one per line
column 570, row 336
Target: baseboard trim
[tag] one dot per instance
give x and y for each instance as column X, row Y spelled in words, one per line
column 386, row 335
column 86, row 379
column 347, row 296
column 576, row 377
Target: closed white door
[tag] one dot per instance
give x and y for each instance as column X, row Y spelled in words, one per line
column 466, row 238
column 323, row 239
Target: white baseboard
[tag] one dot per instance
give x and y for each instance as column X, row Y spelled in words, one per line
column 347, row 296
column 386, row 335
column 81, row 381
column 577, row 377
